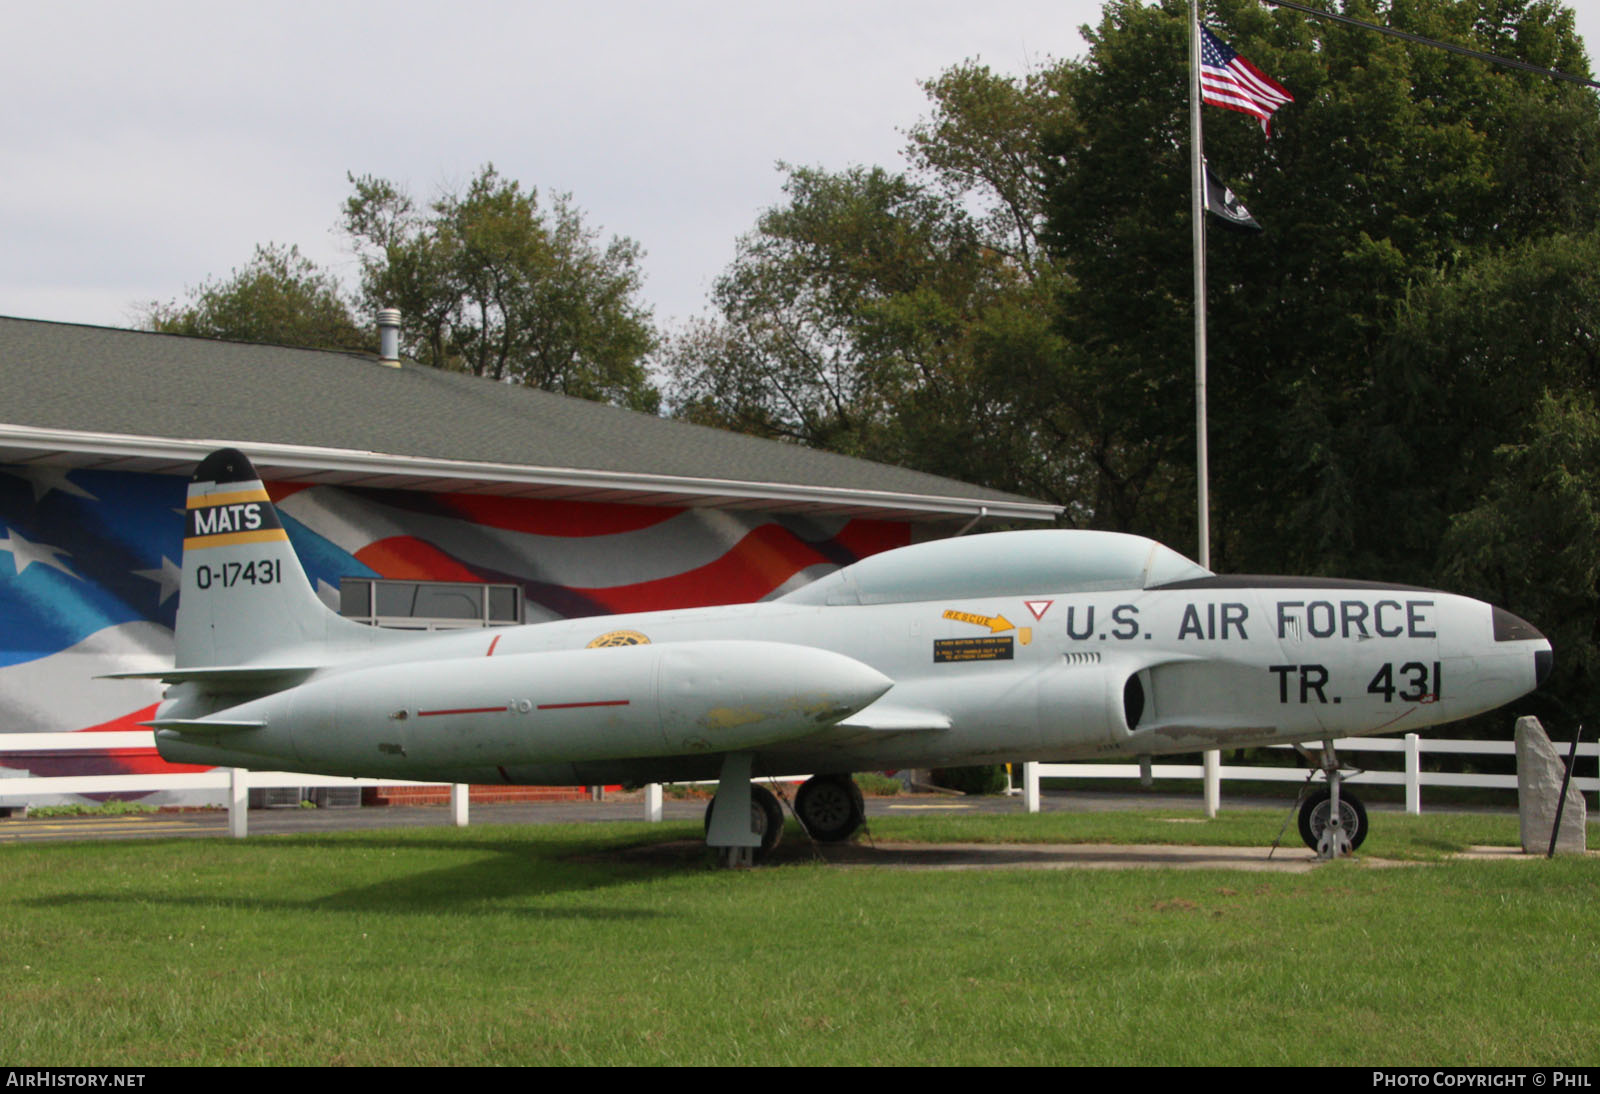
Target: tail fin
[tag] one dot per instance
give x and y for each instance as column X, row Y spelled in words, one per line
column 245, row 598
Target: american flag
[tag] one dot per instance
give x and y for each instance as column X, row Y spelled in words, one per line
column 1228, row 80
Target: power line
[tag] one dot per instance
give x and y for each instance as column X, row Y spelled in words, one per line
column 1451, row 46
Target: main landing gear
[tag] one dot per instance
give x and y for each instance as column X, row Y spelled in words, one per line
column 745, row 820
column 1332, row 823
column 830, row 807
column 766, row 822
column 742, row 819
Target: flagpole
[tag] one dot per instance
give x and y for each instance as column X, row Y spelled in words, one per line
column 1211, row 760
column 1197, row 205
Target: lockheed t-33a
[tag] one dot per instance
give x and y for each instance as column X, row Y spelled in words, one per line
column 1037, row 645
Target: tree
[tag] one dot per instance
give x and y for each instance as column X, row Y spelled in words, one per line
column 1534, row 541
column 804, row 352
column 279, row 297
column 982, row 145
column 1517, row 339
column 488, row 282
column 886, row 315
column 1396, row 165
column 1016, row 309
column 1403, row 353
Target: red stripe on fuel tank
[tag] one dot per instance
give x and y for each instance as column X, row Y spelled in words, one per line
column 463, row 710
column 569, row 706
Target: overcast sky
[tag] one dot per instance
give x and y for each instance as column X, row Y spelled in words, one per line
column 150, row 146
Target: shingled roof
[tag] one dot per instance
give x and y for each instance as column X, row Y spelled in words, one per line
column 102, row 397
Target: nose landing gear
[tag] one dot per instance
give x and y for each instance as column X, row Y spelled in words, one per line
column 1332, row 823
column 1315, row 829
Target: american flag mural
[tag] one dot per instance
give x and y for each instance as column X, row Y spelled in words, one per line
column 89, row 575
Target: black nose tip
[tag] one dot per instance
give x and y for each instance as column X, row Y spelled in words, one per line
column 1508, row 628
column 1542, row 661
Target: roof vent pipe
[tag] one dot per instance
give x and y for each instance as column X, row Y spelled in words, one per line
column 389, row 337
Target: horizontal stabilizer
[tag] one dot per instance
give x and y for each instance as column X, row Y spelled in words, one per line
column 207, row 726
column 253, row 678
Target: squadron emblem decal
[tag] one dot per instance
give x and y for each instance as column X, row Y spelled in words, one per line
column 619, row 638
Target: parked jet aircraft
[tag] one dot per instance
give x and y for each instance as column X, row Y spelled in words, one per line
column 1042, row 645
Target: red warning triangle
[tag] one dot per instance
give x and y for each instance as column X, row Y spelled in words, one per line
column 1038, row 607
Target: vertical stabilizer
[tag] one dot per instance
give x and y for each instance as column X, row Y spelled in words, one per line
column 244, row 594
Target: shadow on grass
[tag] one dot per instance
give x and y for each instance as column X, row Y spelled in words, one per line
column 503, row 876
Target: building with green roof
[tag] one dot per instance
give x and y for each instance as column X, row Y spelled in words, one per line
column 414, row 497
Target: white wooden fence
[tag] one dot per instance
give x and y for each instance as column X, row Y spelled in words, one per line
column 1413, row 778
column 237, row 782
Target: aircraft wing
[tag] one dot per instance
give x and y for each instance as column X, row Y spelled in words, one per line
column 890, row 718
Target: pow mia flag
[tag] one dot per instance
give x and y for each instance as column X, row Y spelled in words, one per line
column 1224, row 204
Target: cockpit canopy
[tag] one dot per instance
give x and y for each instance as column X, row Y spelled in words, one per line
column 1002, row 564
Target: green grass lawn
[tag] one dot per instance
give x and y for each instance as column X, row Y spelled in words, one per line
column 536, row 945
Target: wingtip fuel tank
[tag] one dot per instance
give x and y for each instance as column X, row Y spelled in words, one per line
column 488, row 715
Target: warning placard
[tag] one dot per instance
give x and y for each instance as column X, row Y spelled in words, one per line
column 994, row 648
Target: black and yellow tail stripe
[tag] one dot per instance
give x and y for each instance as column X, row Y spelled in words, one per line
column 234, row 517
column 232, row 497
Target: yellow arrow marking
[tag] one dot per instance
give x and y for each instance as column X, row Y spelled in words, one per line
column 996, row 623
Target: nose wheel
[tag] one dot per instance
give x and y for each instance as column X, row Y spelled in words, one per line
column 1315, row 813
column 1332, row 823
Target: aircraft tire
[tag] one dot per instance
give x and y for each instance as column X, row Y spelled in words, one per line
column 1314, row 817
column 766, row 816
column 830, row 807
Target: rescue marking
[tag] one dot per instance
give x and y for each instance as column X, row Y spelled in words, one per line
column 995, row 623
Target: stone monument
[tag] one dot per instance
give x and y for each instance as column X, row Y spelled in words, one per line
column 1540, row 770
